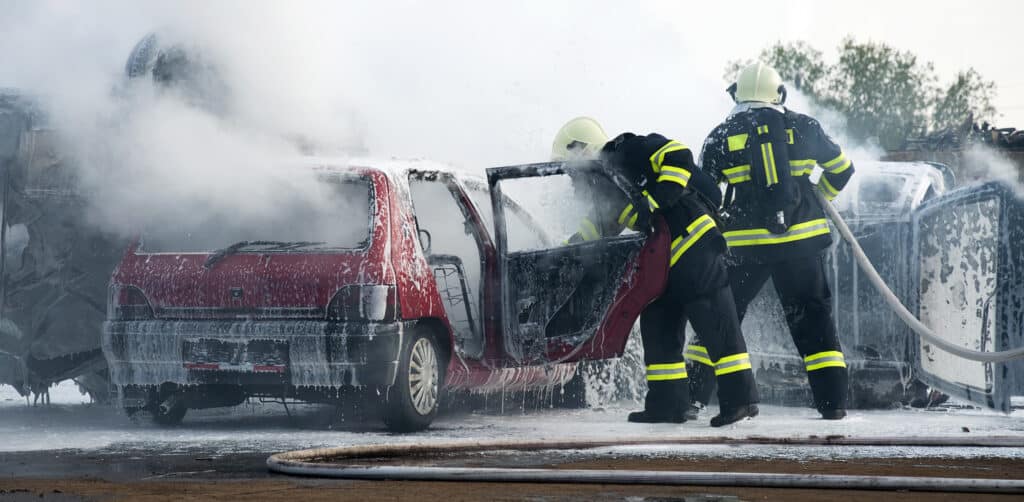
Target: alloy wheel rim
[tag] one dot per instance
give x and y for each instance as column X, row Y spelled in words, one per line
column 423, row 376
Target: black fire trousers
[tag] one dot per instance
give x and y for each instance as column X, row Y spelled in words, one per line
column 697, row 291
column 802, row 288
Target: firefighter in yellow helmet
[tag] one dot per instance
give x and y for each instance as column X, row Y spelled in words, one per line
column 697, row 290
column 776, row 227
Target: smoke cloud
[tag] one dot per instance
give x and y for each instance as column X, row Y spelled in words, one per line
column 469, row 84
column 465, row 83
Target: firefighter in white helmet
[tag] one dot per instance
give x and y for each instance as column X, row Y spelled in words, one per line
column 697, row 290
column 579, row 138
column 776, row 227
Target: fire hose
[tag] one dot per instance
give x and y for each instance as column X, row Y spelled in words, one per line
column 340, row 462
column 897, row 306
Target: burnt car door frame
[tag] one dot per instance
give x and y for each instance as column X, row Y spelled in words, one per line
column 480, row 328
column 1002, row 380
column 633, row 283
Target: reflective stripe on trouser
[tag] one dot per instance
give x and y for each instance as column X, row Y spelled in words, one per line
column 666, row 371
column 826, row 359
column 732, row 364
column 698, row 353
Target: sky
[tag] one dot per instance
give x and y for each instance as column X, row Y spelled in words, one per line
column 954, row 35
column 482, row 83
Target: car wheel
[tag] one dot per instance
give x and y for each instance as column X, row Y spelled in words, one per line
column 412, row 400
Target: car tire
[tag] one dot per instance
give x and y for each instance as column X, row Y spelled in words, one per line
column 413, row 399
column 169, row 416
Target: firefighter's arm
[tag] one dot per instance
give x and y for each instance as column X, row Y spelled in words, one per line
column 838, row 168
column 673, row 167
column 607, row 221
column 710, row 157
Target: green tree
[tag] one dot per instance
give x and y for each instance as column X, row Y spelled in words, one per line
column 884, row 93
column 797, row 62
column 969, row 96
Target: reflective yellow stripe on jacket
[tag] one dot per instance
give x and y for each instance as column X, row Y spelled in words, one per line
column 837, row 165
column 674, row 174
column 762, row 236
column 694, row 231
column 739, row 174
column 628, row 217
column 768, row 157
column 658, row 158
column 827, row 188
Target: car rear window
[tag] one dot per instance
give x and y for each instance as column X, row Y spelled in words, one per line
column 335, row 212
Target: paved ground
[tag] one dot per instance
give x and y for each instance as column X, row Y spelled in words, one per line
column 72, row 450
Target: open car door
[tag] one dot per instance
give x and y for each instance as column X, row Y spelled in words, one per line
column 567, row 301
column 969, row 271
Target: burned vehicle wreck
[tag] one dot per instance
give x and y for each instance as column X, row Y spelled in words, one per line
column 55, row 265
column 400, row 288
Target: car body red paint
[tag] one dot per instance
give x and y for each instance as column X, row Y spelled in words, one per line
column 202, row 320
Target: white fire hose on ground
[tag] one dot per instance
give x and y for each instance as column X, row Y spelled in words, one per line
column 364, row 462
column 924, row 331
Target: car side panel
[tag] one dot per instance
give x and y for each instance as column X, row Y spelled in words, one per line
column 417, row 291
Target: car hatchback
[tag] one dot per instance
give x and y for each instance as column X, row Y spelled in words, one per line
column 391, row 280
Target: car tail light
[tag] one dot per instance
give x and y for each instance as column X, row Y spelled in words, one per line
column 364, row 302
column 126, row 303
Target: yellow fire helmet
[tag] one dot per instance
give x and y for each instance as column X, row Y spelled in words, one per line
column 579, row 138
column 758, row 82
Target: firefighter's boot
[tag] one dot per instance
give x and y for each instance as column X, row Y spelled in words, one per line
column 727, row 416
column 666, row 402
column 737, row 397
column 833, row 413
column 830, row 389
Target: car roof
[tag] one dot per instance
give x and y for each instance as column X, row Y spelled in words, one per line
column 392, row 167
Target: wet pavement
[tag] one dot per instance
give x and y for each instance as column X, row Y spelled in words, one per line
column 72, row 450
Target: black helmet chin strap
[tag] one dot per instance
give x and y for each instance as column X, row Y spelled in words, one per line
column 782, row 93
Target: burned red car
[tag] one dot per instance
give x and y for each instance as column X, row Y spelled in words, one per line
column 415, row 281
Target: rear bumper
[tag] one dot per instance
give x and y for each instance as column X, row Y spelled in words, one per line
column 315, row 353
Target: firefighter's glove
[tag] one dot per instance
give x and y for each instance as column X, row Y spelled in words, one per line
column 644, row 221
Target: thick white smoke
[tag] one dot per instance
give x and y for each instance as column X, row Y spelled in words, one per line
column 468, row 83
column 981, row 162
